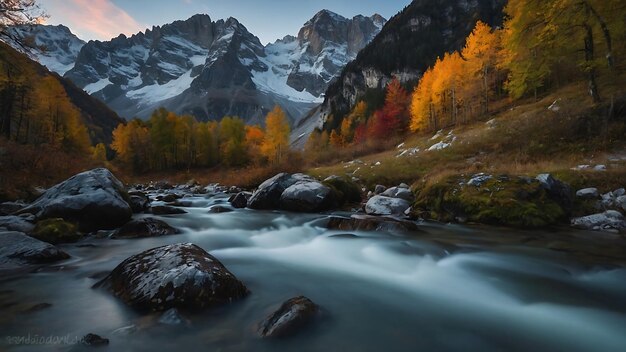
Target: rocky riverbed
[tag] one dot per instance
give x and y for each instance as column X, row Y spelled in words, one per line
column 300, row 264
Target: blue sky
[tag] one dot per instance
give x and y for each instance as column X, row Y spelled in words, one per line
column 269, row 20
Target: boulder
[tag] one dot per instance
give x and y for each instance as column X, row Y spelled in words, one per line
column 93, row 199
column 379, row 189
column 371, row 223
column 381, row 205
column 267, row 196
column 397, row 192
column 8, row 208
column 479, row 179
column 291, row 317
column 166, row 210
column 22, row 223
column 139, row 201
column 610, row 220
column 146, row 227
column 240, row 200
column 307, row 196
column 56, row 231
column 17, row 249
column 170, row 197
column 182, row 276
column 588, row 193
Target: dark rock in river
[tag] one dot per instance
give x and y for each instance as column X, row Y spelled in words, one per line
column 166, row 210
column 168, row 198
column 17, row 249
column 174, row 276
column 267, row 196
column 95, row 340
column 240, row 200
column 146, row 227
column 93, row 199
column 291, row 317
column 217, row 209
column 138, row 201
column 371, row 223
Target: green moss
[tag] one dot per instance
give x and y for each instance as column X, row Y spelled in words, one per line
column 346, row 191
column 508, row 201
column 56, row 231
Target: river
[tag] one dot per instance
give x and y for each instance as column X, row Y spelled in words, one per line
column 447, row 288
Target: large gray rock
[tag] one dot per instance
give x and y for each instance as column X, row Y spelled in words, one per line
column 22, row 223
column 240, row 200
column 17, row 249
column 174, row 276
column 307, row 196
column 610, row 220
column 93, row 199
column 292, row 316
column 381, row 205
column 267, row 196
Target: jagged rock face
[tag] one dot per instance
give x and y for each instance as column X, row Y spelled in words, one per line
column 213, row 69
column 408, row 44
column 327, row 43
column 55, row 47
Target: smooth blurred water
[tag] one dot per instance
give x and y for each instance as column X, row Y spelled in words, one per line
column 379, row 291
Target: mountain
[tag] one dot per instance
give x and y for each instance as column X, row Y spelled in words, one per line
column 213, row 69
column 97, row 117
column 55, row 47
column 407, row 45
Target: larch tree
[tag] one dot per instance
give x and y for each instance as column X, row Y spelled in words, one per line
column 276, row 143
column 481, row 53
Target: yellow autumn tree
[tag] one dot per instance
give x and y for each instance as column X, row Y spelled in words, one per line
column 276, row 142
column 422, row 111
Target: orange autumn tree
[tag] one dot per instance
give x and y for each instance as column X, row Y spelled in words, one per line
column 254, row 139
column 423, row 115
column 276, row 142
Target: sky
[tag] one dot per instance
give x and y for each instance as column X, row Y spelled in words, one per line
column 267, row 19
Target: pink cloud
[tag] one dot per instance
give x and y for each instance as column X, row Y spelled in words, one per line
column 92, row 19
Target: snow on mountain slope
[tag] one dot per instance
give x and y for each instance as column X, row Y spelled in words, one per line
column 209, row 69
column 52, row 46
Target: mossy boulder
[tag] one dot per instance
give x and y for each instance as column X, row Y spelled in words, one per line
column 505, row 200
column 346, row 191
column 56, row 231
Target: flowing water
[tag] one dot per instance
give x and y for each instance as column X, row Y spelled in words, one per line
column 430, row 291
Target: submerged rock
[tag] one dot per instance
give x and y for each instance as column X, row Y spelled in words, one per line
column 93, row 199
column 171, row 317
column 146, row 227
column 291, row 317
column 95, row 340
column 371, row 223
column 166, row 210
column 174, row 276
column 218, row 209
column 381, row 205
column 17, row 249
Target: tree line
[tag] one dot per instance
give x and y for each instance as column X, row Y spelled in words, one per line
column 171, row 141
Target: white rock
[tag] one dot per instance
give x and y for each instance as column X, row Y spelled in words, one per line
column 381, row 205
column 610, row 220
column 479, row 179
column 588, row 193
column 599, row 168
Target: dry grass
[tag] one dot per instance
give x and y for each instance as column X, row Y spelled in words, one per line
column 526, row 139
